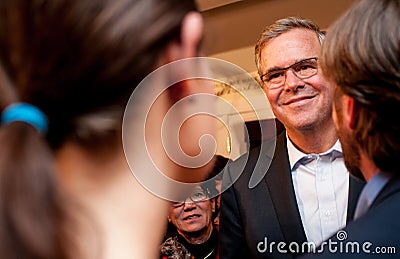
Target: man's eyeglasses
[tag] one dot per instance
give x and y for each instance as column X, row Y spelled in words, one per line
column 302, row 69
column 195, row 197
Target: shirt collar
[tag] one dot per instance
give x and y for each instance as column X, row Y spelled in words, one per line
column 295, row 154
column 374, row 187
column 370, row 192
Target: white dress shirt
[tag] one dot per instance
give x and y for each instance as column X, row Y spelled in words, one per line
column 321, row 185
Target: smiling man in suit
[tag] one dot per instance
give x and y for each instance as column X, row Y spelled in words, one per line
column 306, row 194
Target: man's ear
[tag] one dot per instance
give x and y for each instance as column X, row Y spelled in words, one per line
column 351, row 111
column 190, row 38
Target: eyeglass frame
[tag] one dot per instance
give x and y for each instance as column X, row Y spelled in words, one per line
column 285, row 69
column 176, row 205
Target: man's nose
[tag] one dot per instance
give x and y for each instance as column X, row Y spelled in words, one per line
column 292, row 82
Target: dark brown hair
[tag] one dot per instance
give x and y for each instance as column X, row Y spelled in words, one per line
column 78, row 61
column 361, row 54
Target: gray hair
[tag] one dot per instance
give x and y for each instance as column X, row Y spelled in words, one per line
column 281, row 26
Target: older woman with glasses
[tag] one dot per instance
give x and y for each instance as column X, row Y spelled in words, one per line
column 194, row 235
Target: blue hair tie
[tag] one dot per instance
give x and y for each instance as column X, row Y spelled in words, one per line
column 26, row 113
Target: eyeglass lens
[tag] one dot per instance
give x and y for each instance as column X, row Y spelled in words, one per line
column 195, row 197
column 302, row 69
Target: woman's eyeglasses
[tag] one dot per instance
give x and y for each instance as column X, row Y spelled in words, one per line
column 195, row 197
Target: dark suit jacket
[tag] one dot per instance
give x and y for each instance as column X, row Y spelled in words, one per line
column 380, row 226
column 249, row 215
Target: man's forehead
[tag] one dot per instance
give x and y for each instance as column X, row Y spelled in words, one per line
column 289, row 47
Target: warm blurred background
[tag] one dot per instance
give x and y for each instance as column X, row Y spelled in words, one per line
column 233, row 26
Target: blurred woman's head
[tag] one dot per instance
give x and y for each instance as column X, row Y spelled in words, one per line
column 78, row 61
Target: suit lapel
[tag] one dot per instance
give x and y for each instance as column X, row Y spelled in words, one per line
column 281, row 191
column 280, row 187
column 355, row 188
